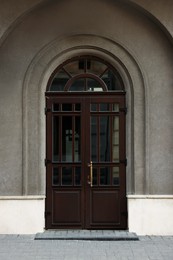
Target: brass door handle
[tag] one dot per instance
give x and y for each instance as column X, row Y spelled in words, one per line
column 90, row 179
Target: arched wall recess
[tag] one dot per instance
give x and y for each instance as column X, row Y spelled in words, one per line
column 144, row 11
column 34, row 87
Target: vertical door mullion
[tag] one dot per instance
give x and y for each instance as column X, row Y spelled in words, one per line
column 122, row 133
column 73, row 148
column 73, row 137
column 111, row 146
column 87, row 151
column 83, row 160
column 49, row 138
column 60, row 149
column 98, row 138
column 60, row 138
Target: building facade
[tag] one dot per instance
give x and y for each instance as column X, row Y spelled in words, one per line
column 86, row 115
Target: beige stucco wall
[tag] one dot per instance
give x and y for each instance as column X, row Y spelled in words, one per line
column 30, row 33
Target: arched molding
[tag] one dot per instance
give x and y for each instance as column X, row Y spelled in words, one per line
column 137, row 6
column 160, row 23
column 34, row 87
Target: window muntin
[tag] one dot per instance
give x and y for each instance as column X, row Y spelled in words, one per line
column 85, row 74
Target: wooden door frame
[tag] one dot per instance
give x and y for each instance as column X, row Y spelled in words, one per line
column 71, row 96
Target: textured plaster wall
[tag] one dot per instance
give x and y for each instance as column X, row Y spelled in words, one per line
column 161, row 10
column 121, row 23
column 11, row 11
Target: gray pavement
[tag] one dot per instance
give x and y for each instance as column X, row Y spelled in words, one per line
column 17, row 247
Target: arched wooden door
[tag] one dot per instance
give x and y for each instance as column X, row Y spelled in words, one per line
column 86, row 159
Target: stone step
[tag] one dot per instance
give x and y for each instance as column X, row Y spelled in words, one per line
column 95, row 235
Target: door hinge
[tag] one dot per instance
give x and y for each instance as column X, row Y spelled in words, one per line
column 46, row 110
column 123, row 109
column 46, row 161
column 124, row 161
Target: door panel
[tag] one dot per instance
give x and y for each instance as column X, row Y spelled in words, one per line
column 66, row 207
column 86, row 162
column 106, row 199
column 101, row 202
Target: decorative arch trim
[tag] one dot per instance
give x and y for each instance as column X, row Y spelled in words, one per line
column 34, row 87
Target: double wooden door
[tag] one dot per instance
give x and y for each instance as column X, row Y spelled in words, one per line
column 86, row 161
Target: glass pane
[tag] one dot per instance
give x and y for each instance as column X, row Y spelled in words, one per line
column 105, row 176
column 74, row 68
column 115, row 139
column 93, row 107
column 67, row 138
column 84, row 65
column 55, row 138
column 93, row 85
column 55, row 107
column 95, row 179
column 115, row 107
column 77, row 176
column 96, row 67
column 78, row 85
column 115, row 175
column 66, row 107
column 55, row 180
column 104, row 138
column 77, row 107
column 94, row 135
column 104, row 107
column 59, row 81
column 77, row 141
column 112, row 81
column 67, row 176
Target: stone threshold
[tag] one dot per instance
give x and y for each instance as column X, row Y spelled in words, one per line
column 92, row 235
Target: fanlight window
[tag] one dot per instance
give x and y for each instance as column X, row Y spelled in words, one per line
column 85, row 74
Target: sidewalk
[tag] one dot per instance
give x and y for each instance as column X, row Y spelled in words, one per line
column 20, row 247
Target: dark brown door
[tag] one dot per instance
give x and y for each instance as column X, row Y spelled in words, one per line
column 86, row 171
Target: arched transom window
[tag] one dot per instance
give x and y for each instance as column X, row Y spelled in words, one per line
column 85, row 73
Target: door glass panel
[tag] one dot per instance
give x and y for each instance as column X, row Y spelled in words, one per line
column 105, row 176
column 115, row 175
column 55, row 138
column 67, row 138
column 73, row 68
column 77, row 107
column 83, row 64
column 112, row 80
column 67, row 107
column 104, row 107
column 67, row 176
column 93, row 107
column 55, row 179
column 77, row 141
column 77, row 176
column 95, row 177
column 78, row 85
column 96, row 67
column 115, row 138
column 104, row 138
column 93, row 85
column 81, row 67
column 94, row 135
column 59, row 81
column 115, row 107
column 56, row 107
